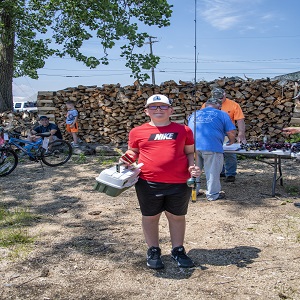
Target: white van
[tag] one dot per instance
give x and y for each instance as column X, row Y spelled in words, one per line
column 28, row 106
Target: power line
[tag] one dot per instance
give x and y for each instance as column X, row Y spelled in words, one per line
column 251, row 37
column 218, row 38
column 224, row 71
column 210, row 60
column 230, row 61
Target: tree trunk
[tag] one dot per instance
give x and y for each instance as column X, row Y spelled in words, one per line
column 6, row 61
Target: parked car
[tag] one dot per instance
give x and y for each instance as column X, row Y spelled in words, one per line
column 28, row 106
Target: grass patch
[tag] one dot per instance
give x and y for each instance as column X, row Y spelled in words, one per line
column 293, row 190
column 17, row 217
column 13, row 232
column 13, row 237
column 107, row 160
column 100, row 159
column 80, row 158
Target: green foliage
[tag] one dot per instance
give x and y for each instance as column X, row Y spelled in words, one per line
column 294, row 138
column 81, row 158
column 42, row 28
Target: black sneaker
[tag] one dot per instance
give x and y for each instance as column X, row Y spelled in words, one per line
column 153, row 258
column 183, row 261
column 230, row 179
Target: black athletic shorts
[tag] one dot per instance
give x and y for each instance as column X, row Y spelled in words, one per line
column 156, row 197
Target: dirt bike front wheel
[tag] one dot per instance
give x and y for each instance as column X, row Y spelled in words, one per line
column 57, row 154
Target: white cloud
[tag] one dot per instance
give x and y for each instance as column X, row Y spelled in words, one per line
column 225, row 15
column 220, row 14
column 225, row 22
column 267, row 16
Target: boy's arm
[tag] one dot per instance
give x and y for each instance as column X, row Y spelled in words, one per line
column 74, row 122
column 189, row 151
column 76, row 117
column 193, row 169
column 130, row 156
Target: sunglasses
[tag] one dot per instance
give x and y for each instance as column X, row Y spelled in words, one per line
column 155, row 107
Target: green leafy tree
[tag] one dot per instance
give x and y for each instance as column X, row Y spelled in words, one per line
column 33, row 30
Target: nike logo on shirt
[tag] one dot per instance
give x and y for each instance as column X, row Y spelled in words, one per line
column 163, row 136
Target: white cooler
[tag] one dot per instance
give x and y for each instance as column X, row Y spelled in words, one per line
column 115, row 180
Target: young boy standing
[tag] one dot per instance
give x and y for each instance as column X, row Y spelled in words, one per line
column 72, row 122
column 166, row 150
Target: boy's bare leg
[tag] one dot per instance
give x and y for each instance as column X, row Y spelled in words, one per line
column 150, row 228
column 75, row 138
column 177, row 229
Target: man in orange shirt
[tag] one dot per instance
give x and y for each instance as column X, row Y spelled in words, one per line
column 237, row 117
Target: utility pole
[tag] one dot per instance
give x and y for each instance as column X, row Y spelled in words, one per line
column 151, row 52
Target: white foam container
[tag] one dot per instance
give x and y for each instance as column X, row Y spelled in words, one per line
column 115, row 180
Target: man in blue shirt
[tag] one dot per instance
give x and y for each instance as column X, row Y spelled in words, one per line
column 212, row 125
column 46, row 126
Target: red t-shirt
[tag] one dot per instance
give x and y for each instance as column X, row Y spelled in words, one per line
column 161, row 150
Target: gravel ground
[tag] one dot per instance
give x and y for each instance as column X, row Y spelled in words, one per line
column 90, row 246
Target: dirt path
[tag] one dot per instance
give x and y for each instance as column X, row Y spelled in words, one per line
column 90, row 246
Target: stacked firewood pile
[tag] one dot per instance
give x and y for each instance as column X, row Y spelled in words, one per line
column 19, row 121
column 107, row 113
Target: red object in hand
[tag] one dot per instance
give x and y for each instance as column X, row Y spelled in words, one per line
column 127, row 159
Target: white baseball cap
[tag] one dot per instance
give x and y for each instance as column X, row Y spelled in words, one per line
column 158, row 98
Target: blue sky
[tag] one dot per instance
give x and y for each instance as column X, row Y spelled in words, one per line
column 256, row 39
